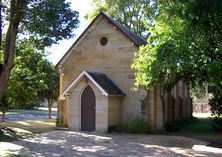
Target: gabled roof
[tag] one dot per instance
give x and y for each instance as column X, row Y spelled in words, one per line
column 134, row 37
column 137, row 40
column 100, row 80
column 106, row 83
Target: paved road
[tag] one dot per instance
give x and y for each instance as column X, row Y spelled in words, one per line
column 29, row 115
column 69, row 144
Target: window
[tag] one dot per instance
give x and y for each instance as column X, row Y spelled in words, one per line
column 103, row 41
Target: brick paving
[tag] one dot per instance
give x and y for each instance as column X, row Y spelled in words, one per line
column 70, row 143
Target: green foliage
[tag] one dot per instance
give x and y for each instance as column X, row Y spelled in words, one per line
column 134, row 14
column 185, row 43
column 135, row 125
column 33, row 78
column 156, row 62
column 177, row 125
column 7, row 134
column 51, row 82
column 114, row 128
column 217, row 123
column 216, row 106
column 51, row 20
column 25, row 74
column 46, row 22
column 215, row 101
column 57, row 122
column 198, row 91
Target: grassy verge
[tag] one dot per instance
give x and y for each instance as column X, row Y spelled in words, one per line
column 26, row 129
column 15, row 155
column 201, row 129
column 33, row 126
column 14, row 130
column 15, row 113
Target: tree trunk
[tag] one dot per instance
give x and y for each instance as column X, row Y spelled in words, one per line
column 3, row 108
column 1, row 6
column 9, row 46
column 49, row 107
column 3, row 112
column 8, row 58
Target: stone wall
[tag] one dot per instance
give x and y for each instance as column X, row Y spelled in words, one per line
column 114, row 111
column 113, row 59
column 177, row 105
column 74, row 107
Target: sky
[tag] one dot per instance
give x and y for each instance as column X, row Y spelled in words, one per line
column 57, row 51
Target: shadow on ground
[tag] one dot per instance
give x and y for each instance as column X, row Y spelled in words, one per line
column 201, row 129
column 15, row 130
column 68, row 143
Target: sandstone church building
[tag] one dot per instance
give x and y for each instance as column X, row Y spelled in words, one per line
column 96, row 82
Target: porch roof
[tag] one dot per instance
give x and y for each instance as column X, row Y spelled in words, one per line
column 100, row 80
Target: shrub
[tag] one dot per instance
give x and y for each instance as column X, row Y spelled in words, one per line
column 135, row 125
column 172, row 127
column 57, row 122
column 114, row 128
column 1, row 132
column 177, row 125
column 217, row 123
column 216, row 105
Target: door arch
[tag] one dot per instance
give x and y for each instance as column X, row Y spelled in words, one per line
column 88, row 106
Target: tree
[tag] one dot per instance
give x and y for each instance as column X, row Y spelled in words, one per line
column 33, row 79
column 186, row 41
column 156, row 62
column 48, row 20
column 50, row 91
column 26, row 76
column 134, row 14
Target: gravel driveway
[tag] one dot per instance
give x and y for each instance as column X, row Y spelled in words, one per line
column 69, row 144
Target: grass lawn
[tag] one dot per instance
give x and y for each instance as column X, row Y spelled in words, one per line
column 33, row 126
column 28, row 128
column 24, row 129
column 15, row 113
column 18, row 111
column 13, row 155
column 201, row 129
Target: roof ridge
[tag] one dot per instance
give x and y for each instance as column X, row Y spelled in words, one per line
column 126, row 30
column 131, row 35
column 100, row 80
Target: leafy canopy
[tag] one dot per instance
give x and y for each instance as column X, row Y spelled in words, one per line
column 133, row 14
column 51, row 20
column 33, row 78
column 46, row 21
column 185, row 43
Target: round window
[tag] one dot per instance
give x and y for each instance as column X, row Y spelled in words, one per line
column 103, row 41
